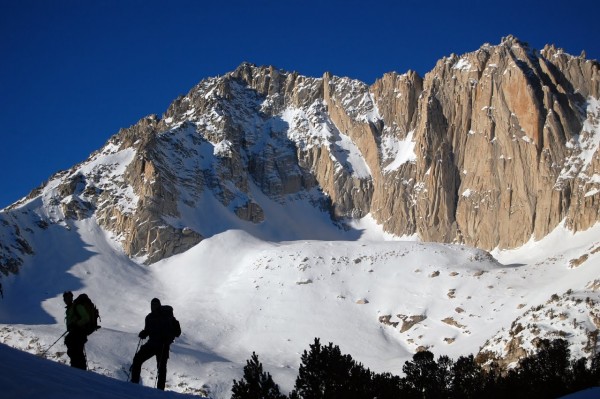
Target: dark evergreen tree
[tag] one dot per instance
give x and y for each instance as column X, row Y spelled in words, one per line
column 387, row 386
column 595, row 369
column 495, row 384
column 326, row 373
column 545, row 374
column 423, row 376
column 553, row 362
column 256, row 384
column 468, row 378
column 444, row 376
column 581, row 376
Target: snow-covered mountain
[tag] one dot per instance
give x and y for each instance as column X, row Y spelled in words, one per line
column 270, row 208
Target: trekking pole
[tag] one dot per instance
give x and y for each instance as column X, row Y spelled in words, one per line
column 46, row 351
column 130, row 367
column 85, row 358
column 138, row 347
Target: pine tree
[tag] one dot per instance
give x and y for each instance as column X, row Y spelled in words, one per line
column 386, row 386
column 581, row 376
column 422, row 376
column 595, row 369
column 468, row 378
column 545, row 374
column 326, row 373
column 256, row 384
column 444, row 375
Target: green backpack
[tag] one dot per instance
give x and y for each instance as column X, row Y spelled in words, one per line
column 92, row 311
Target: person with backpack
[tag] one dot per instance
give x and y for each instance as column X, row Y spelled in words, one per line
column 77, row 317
column 161, row 328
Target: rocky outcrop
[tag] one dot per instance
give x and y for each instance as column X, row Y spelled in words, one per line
column 565, row 316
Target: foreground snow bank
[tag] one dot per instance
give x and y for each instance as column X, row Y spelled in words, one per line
column 592, row 393
column 26, row 376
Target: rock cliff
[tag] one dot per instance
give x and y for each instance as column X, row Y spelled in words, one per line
column 489, row 149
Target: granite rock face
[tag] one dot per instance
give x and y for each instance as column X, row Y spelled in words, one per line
column 489, row 149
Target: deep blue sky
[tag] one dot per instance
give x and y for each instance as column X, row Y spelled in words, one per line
column 72, row 72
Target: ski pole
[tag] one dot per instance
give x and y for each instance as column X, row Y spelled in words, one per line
column 46, row 351
column 138, row 347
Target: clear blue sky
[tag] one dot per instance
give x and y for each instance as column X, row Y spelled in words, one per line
column 72, row 72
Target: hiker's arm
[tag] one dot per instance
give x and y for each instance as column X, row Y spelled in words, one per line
column 144, row 333
column 70, row 319
column 83, row 318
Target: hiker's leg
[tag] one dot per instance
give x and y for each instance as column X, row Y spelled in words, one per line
column 69, row 345
column 75, row 345
column 78, row 359
column 161, row 364
column 145, row 353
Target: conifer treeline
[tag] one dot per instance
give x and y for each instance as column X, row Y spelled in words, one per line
column 326, row 373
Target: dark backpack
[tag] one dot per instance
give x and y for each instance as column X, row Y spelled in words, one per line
column 91, row 310
column 174, row 328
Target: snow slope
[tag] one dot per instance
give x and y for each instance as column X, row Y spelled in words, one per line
column 235, row 293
